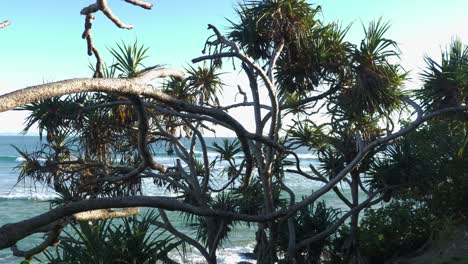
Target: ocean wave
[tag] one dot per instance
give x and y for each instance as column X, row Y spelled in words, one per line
column 303, row 156
column 306, row 156
column 210, row 154
column 15, row 159
column 20, row 159
column 230, row 255
column 8, row 158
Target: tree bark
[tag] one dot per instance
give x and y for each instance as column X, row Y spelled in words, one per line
column 354, row 255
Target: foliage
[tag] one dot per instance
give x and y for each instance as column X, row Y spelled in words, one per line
column 310, row 221
column 263, row 24
column 376, row 82
column 130, row 240
column 222, row 225
column 394, row 230
column 49, row 114
column 425, row 176
column 228, row 150
column 129, row 59
column 446, row 82
column 424, row 166
column 206, row 82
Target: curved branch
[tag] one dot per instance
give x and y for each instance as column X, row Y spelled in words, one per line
column 143, row 127
column 169, row 227
column 108, row 12
column 51, row 239
column 11, row 233
column 363, row 152
column 135, row 86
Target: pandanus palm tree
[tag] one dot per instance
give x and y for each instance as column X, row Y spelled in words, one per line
column 310, row 221
column 375, row 84
column 265, row 23
column 205, row 83
column 322, row 56
column 370, row 91
column 129, row 59
column 446, row 83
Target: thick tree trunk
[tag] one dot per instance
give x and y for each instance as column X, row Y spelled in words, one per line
column 354, row 255
column 212, row 240
column 267, row 244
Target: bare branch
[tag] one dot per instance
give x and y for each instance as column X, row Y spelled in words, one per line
column 143, row 127
column 136, row 86
column 241, row 92
column 87, row 33
column 102, row 214
column 5, row 23
column 169, row 227
column 237, row 53
column 360, row 142
column 307, row 100
column 11, row 233
column 291, row 226
column 140, row 3
column 418, row 108
column 92, row 8
column 363, row 152
column 101, row 5
column 108, row 12
column 91, row 49
column 98, row 71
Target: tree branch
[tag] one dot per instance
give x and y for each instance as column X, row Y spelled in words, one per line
column 102, row 214
column 11, row 233
column 52, row 238
column 363, row 152
column 140, row 3
column 169, row 227
column 5, row 24
column 101, row 5
column 143, row 127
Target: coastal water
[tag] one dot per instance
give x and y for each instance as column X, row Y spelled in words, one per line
column 22, row 200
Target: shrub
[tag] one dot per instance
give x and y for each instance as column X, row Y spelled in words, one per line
column 394, row 230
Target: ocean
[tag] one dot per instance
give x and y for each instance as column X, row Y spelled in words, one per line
column 22, row 200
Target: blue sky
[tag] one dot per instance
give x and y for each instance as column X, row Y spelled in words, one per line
column 44, row 41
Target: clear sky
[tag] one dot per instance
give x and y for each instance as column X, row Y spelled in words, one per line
column 44, row 43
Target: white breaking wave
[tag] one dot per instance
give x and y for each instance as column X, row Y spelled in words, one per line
column 230, row 255
column 29, row 196
column 20, row 159
column 306, row 156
